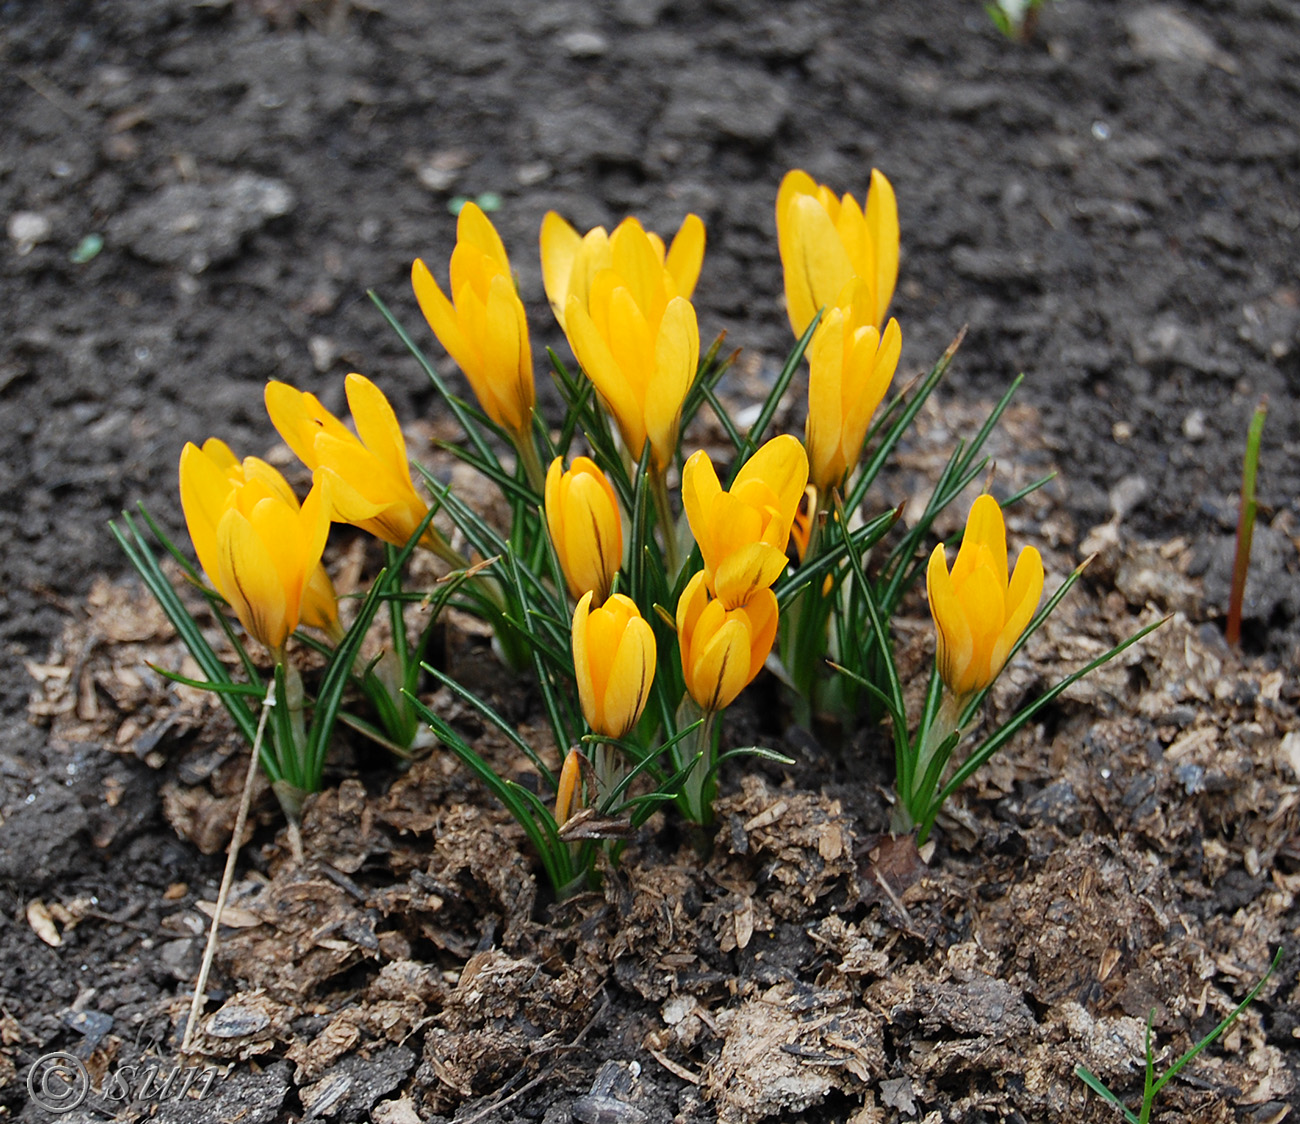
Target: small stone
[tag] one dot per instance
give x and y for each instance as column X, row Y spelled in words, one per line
column 28, row 229
column 1127, row 494
column 1194, row 426
column 584, row 44
column 237, row 1022
column 323, row 351
column 1159, row 33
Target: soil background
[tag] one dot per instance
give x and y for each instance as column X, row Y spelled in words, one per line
column 1112, row 207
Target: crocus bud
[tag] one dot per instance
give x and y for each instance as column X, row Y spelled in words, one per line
column 850, row 369
column 568, row 794
column 482, row 326
column 826, row 242
column 582, row 517
column 614, row 660
column 722, row 649
column 259, row 548
column 979, row 614
column 743, row 533
column 368, row 473
column 635, row 336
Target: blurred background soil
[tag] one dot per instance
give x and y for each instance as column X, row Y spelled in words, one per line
column 197, row 195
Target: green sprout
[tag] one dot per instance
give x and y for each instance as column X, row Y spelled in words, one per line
column 1245, row 523
column 1152, row 1085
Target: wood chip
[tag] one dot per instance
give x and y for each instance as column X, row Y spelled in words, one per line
column 42, row 923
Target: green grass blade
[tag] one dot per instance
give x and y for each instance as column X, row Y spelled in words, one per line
column 1218, row 1030
column 1094, row 1083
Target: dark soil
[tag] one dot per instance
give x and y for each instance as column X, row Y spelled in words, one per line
column 1112, row 208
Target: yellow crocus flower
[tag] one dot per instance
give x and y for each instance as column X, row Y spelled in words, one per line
column 637, row 339
column 850, row 369
column 743, row 533
column 722, row 649
column 571, row 260
column 826, row 242
column 483, row 326
column 259, row 548
column 582, row 517
column 614, row 660
column 979, row 614
column 368, row 473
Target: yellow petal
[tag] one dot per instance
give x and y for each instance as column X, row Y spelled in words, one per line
column 781, row 464
column 377, row 425
column 582, row 660
column 476, row 229
column 722, row 668
column 1022, row 600
column 630, row 676
column 249, row 581
column 300, row 418
column 882, row 222
column 257, row 471
column 676, row 357
column 748, row 571
column 219, row 453
column 986, row 528
column 762, row 614
column 700, row 488
column 954, row 644
column 559, row 248
column 206, row 493
column 598, row 362
column 441, row 316
column 508, row 360
column 320, row 605
column 686, row 255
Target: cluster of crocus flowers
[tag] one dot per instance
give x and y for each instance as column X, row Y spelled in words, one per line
column 585, row 527
column 260, row 549
column 979, row 612
column 614, row 662
column 624, row 304
column 368, row 473
column 482, row 324
column 828, row 243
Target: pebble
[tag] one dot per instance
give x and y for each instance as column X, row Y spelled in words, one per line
column 1160, row 33
column 237, row 1022
column 1128, row 494
column 584, row 44
column 1194, row 425
column 27, row 229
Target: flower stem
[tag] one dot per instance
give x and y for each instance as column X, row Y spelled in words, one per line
column 527, row 450
column 667, row 524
